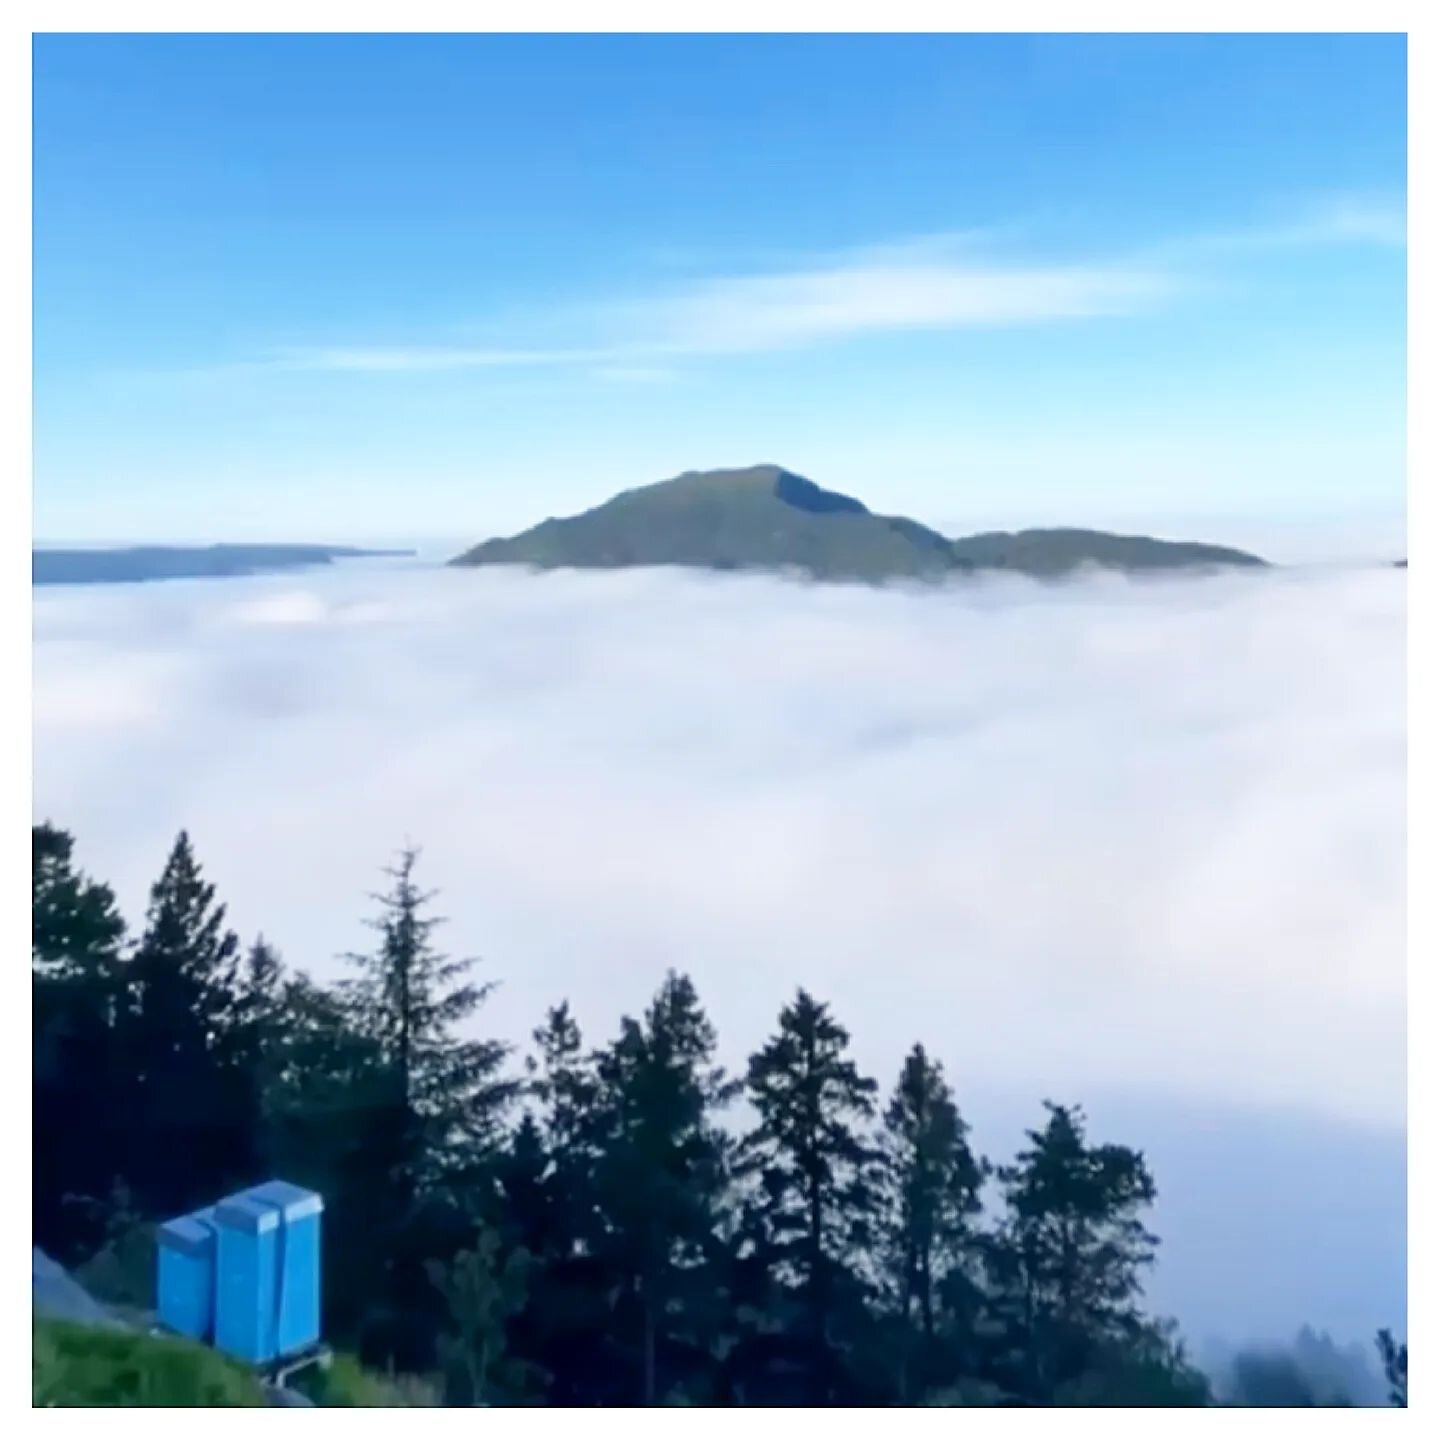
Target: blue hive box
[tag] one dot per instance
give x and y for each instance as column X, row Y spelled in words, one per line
column 267, row 1272
column 185, row 1279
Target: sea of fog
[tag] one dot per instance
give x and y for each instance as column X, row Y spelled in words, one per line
column 1133, row 844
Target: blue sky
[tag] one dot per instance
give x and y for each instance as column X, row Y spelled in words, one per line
column 361, row 287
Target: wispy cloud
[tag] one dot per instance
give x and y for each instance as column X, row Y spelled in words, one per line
column 393, row 358
column 909, row 286
column 1346, row 219
column 870, row 297
column 1340, row 220
column 929, row 283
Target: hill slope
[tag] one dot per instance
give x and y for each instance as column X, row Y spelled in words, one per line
column 768, row 518
column 177, row 562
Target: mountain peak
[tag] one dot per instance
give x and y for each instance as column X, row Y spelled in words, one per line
column 768, row 518
column 787, row 486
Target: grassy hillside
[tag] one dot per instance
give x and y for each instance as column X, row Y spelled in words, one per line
column 83, row 1365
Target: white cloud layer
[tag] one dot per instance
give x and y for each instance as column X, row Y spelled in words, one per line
column 1134, row 844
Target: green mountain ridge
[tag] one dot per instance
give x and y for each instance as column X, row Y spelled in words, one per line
column 767, row 518
column 127, row 564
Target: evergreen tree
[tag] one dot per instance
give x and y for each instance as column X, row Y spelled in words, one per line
column 567, row 1089
column 188, row 1139
column 661, row 1171
column 260, row 996
column 817, row 1176
column 323, row 1066
column 77, row 979
column 933, row 1184
column 1068, row 1257
column 75, row 927
column 527, row 1202
column 566, row 1330
column 256, row 1046
column 1395, row 1359
column 614, row 1246
column 448, row 1093
column 436, row 1112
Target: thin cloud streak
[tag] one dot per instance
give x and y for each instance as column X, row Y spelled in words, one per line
column 1340, row 221
column 751, row 314
column 934, row 283
column 754, row 314
column 406, row 359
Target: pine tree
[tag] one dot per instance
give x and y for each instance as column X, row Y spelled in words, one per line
column 816, row 1172
column 178, row 1032
column 565, row 1086
column 256, row 1045
column 77, row 979
column 76, row 929
column 661, row 1172
column 260, row 991
column 933, row 1184
column 1395, row 1359
column 566, row 1330
column 185, row 968
column 448, row 1093
column 1068, row 1257
column 436, row 1110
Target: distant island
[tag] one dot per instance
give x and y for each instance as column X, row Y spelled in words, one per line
column 766, row 518
column 173, row 562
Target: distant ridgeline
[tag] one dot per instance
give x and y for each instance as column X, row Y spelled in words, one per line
column 767, row 518
column 167, row 562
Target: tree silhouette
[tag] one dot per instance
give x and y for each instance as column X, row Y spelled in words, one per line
column 932, row 1193
column 815, row 1173
column 1396, row 1361
column 1068, row 1256
column 77, row 984
column 189, row 1143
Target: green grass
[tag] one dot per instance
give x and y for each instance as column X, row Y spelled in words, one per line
column 345, row 1384
column 84, row 1365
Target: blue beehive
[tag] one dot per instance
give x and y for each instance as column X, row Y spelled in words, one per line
column 185, row 1282
column 267, row 1272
